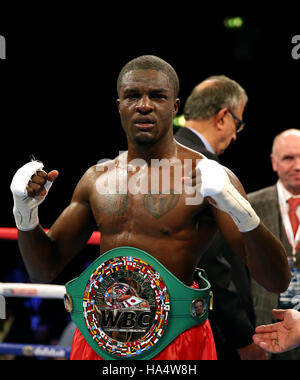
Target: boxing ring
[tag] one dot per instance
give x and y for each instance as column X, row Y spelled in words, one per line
column 35, row 291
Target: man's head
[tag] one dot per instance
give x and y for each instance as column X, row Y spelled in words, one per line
column 147, row 88
column 150, row 62
column 214, row 108
column 286, row 159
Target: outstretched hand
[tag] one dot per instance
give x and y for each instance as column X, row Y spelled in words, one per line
column 281, row 336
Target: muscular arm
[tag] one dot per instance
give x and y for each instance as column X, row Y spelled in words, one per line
column 260, row 249
column 45, row 255
column 241, row 227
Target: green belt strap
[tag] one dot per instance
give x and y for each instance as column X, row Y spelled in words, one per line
column 137, row 328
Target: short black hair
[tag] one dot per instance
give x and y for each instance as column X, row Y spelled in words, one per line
column 150, row 62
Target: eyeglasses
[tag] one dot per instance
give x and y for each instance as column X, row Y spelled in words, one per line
column 240, row 125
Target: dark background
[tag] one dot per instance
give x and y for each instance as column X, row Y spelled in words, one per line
column 58, row 83
column 58, row 87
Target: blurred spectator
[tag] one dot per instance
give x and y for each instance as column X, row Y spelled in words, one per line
column 274, row 205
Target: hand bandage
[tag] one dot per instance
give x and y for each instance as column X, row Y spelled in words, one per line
column 26, row 208
column 216, row 184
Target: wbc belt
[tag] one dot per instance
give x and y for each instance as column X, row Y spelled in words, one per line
column 127, row 305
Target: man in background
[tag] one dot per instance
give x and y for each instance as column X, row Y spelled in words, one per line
column 278, row 207
column 213, row 114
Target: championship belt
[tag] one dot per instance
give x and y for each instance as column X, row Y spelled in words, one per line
column 127, row 305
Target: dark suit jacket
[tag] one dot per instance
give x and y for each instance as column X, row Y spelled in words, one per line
column 233, row 318
column 265, row 203
column 188, row 138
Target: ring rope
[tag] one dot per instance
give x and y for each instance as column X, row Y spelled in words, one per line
column 35, row 350
column 11, row 233
column 35, row 290
column 10, row 289
column 40, row 291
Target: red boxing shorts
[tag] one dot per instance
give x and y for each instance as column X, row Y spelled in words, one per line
column 196, row 343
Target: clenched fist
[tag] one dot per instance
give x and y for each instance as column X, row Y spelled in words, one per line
column 29, row 186
column 37, row 183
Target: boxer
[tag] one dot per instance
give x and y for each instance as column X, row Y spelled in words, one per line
column 161, row 223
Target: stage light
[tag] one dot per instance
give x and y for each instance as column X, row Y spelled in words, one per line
column 179, row 121
column 233, row 22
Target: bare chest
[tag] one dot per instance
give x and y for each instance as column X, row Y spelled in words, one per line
column 154, row 213
column 144, row 203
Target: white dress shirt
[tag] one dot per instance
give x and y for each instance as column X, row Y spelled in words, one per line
column 283, row 196
column 203, row 139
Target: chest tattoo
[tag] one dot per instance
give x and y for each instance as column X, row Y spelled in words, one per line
column 160, row 204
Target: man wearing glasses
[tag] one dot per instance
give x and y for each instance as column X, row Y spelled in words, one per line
column 213, row 114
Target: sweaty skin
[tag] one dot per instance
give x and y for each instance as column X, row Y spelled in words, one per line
column 161, row 224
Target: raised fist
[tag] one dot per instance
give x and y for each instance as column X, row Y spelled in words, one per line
column 29, row 186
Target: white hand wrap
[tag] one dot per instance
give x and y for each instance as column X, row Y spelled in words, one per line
column 216, row 184
column 26, row 208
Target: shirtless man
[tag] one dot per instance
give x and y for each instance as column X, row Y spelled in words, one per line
column 178, row 234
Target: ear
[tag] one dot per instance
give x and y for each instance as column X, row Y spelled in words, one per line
column 219, row 118
column 176, row 106
column 118, row 104
column 273, row 161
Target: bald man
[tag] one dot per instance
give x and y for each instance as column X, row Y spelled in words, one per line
column 274, row 205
